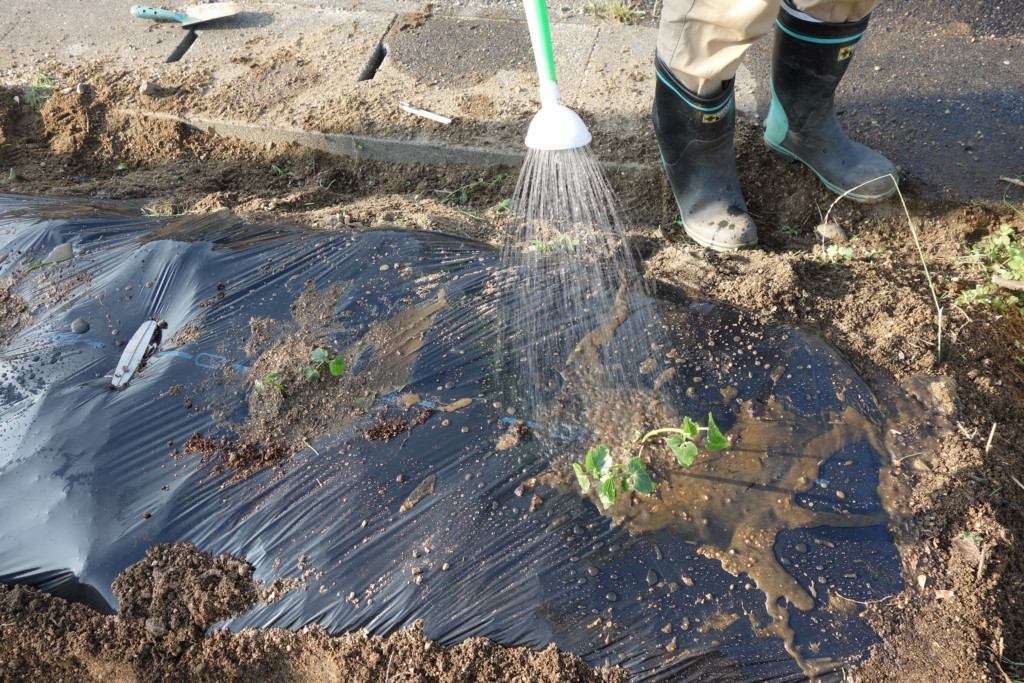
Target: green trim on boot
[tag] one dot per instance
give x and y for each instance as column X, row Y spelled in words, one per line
column 810, row 58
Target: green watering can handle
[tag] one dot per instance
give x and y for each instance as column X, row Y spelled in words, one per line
column 540, row 36
column 157, row 14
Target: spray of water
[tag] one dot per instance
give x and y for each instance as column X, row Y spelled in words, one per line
column 577, row 324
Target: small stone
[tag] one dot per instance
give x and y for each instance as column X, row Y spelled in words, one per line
column 445, row 567
column 156, row 627
column 385, row 267
column 146, row 515
column 831, row 232
column 148, row 88
column 79, row 326
column 114, row 332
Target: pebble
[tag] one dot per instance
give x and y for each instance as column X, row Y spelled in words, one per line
column 385, row 267
column 801, row 547
column 148, row 88
column 80, row 326
column 156, row 627
column 652, row 577
column 445, row 567
column 831, row 232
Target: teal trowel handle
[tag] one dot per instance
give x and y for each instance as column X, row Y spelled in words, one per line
column 157, row 14
column 540, row 36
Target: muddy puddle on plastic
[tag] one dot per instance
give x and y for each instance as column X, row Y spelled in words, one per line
column 751, row 565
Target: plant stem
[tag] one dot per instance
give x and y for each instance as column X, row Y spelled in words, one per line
column 668, row 430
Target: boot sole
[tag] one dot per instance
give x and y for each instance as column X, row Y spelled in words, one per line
column 853, row 196
column 711, row 244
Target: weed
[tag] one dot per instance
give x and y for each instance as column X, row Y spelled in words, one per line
column 1002, row 255
column 562, row 243
column 622, row 11
column 280, row 172
column 466, row 191
column 121, row 167
column 319, row 356
column 682, row 440
column 978, row 540
column 270, row 381
column 610, row 477
column 907, row 457
column 40, row 90
column 788, row 230
column 835, row 252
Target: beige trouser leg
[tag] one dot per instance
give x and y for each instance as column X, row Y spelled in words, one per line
column 703, row 41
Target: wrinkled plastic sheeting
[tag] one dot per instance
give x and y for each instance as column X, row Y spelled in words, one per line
column 80, row 463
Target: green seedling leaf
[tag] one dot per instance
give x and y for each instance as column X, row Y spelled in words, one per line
column 716, row 441
column 337, row 365
column 597, row 462
column 639, row 480
column 690, row 429
column 607, row 492
column 978, row 540
column 311, row 374
column 685, row 451
column 319, row 355
column 582, row 478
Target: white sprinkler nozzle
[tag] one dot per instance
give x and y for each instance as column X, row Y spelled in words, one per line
column 555, row 126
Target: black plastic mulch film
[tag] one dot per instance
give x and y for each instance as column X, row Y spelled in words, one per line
column 81, row 463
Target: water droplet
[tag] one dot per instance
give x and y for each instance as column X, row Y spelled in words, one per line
column 611, row 597
column 652, row 577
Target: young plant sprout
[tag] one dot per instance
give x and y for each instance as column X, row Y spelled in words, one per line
column 682, row 440
column 319, row 356
column 610, row 477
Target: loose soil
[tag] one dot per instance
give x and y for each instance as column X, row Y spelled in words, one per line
column 176, row 593
column 960, row 617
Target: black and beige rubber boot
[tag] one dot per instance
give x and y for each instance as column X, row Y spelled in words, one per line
column 695, row 136
column 810, row 59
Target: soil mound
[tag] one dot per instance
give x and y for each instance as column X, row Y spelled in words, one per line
column 169, row 600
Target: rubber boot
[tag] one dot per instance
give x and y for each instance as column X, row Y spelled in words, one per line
column 809, row 61
column 695, row 136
